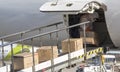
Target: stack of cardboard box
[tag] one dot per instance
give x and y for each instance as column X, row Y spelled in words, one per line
column 45, row 53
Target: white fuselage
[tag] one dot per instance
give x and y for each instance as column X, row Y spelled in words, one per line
column 112, row 16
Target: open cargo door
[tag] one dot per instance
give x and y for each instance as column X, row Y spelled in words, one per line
column 74, row 7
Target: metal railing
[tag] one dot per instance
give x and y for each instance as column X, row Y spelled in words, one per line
column 22, row 35
column 32, row 43
column 23, row 32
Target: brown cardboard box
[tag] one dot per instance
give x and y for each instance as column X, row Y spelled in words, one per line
column 90, row 40
column 74, row 45
column 91, row 37
column 45, row 53
column 24, row 60
column 88, row 34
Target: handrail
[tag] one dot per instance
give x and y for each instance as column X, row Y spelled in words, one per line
column 44, row 34
column 35, row 36
column 23, row 32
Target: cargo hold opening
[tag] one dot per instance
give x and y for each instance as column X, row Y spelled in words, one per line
column 99, row 27
column 72, row 12
column 101, row 30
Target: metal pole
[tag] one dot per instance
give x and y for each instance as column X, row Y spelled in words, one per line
column 69, row 50
column 84, row 43
column 33, row 67
column 3, row 64
column 113, row 67
column 12, row 59
column 52, row 60
column 57, row 38
column 7, row 68
column 22, row 42
column 68, row 35
column 101, row 63
column 40, row 39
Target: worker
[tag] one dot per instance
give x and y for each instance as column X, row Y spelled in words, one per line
column 88, row 17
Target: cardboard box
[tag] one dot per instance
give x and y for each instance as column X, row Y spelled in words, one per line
column 74, row 44
column 90, row 40
column 91, row 37
column 88, row 34
column 45, row 53
column 24, row 60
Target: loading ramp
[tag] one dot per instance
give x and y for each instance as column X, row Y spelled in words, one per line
column 57, row 63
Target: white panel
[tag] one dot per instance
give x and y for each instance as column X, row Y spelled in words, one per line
column 62, row 6
column 112, row 16
column 5, row 68
column 56, row 61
